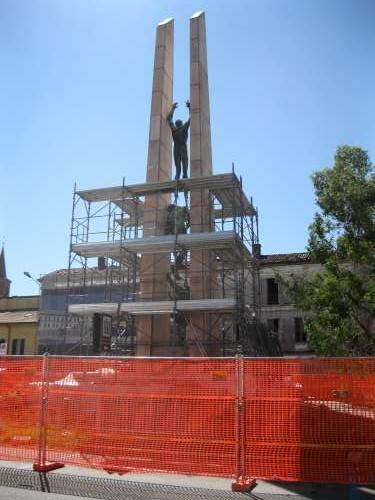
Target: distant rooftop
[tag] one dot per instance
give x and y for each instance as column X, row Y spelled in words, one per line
column 73, row 271
column 19, row 317
column 275, row 258
column 285, row 258
column 20, row 297
column 19, row 303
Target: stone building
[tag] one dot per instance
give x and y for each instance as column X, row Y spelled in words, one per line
column 19, row 318
column 277, row 312
column 275, row 309
column 83, row 286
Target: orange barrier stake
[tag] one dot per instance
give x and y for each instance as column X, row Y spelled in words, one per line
column 41, row 465
column 242, row 483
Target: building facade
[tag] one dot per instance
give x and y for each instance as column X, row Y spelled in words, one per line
column 281, row 316
column 275, row 310
column 63, row 333
column 19, row 326
column 19, row 318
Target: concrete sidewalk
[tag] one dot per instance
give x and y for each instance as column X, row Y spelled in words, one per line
column 18, row 481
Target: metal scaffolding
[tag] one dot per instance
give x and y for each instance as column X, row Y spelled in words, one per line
column 113, row 226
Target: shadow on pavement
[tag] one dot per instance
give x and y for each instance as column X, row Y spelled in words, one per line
column 294, row 491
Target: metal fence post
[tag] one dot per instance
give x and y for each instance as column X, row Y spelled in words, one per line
column 242, row 482
column 41, row 465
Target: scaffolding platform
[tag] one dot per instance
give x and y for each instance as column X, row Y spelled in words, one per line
column 226, row 188
column 193, row 260
column 161, row 244
column 154, row 307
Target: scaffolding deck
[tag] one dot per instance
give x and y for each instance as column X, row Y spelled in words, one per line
column 138, row 219
column 221, row 185
column 161, row 307
column 160, row 244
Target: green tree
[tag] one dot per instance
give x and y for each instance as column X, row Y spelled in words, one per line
column 339, row 302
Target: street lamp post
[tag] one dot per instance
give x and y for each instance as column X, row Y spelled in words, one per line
column 28, row 275
column 38, row 282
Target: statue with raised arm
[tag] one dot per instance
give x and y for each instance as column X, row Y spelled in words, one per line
column 180, row 132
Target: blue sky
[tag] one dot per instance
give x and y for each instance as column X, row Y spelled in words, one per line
column 289, row 81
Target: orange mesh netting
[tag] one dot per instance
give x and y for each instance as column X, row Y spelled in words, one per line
column 20, row 407
column 310, row 420
column 172, row 415
column 300, row 420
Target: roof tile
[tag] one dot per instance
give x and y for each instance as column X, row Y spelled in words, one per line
column 19, row 317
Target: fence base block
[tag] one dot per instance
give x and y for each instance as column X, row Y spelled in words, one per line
column 244, row 486
column 47, row 467
column 115, row 470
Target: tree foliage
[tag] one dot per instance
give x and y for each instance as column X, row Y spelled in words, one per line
column 339, row 302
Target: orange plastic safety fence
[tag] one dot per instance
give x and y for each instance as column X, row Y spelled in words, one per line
column 310, row 420
column 174, row 415
column 20, row 408
column 300, row 420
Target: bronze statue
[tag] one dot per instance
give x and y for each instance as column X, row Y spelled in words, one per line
column 180, row 135
column 178, row 222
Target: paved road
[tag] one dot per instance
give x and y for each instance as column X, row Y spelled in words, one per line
column 20, row 483
column 171, row 494
column 16, row 494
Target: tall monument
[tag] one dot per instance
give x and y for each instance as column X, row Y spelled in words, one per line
column 153, row 330
column 178, row 251
column 200, row 166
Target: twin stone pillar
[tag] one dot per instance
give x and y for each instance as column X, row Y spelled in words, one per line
column 154, row 331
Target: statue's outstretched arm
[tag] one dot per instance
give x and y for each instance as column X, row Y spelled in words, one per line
column 187, row 123
column 170, row 116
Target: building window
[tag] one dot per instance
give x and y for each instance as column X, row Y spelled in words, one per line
column 273, row 325
column 299, row 331
column 3, row 347
column 272, row 291
column 18, row 346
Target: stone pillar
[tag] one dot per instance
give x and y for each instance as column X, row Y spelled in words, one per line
column 200, row 129
column 154, row 331
column 200, row 165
